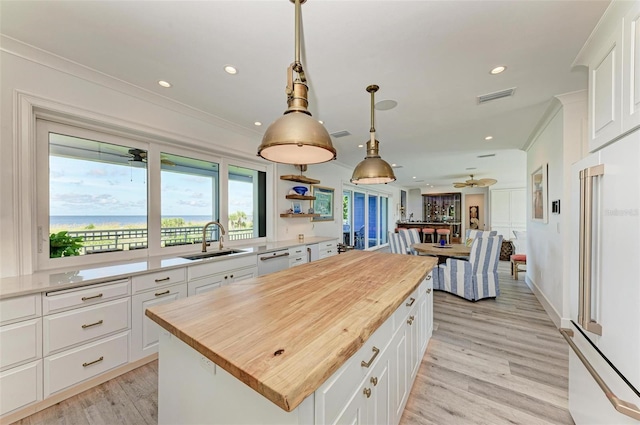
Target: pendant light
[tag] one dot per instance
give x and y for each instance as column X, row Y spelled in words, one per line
column 373, row 169
column 297, row 138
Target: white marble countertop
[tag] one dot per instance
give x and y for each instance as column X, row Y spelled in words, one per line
column 56, row 279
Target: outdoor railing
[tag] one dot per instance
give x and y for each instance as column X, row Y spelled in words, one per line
column 98, row 241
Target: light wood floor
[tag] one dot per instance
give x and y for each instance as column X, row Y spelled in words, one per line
column 491, row 362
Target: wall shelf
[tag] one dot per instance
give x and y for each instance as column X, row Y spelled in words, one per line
column 301, row 197
column 299, row 179
column 299, row 215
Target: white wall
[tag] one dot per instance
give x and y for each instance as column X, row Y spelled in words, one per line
column 557, row 145
column 414, row 204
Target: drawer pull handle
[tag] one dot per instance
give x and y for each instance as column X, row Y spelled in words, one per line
column 164, row 279
column 91, row 298
column 409, row 304
column 231, row 276
column 286, row 254
column 367, row 392
column 374, row 380
column 163, row 293
column 411, row 319
column 428, row 290
column 376, row 351
column 429, row 277
column 93, row 362
column 99, row 322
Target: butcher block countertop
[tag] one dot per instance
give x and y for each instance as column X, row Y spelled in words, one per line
column 285, row 333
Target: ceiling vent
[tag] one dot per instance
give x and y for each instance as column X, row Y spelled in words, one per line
column 338, row 134
column 487, row 155
column 495, row 95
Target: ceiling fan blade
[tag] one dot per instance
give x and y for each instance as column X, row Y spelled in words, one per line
column 459, row 185
column 487, row 182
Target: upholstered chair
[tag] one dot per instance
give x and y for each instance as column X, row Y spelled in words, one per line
column 410, row 236
column 476, row 278
column 396, row 244
column 472, row 233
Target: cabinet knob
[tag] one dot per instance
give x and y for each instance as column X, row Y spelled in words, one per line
column 374, row 380
column 428, row 290
column 231, row 276
column 367, row 392
column 411, row 319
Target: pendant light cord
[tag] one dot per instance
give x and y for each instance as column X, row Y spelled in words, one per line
column 373, row 129
column 297, row 64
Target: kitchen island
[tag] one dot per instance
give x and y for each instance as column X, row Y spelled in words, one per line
column 303, row 345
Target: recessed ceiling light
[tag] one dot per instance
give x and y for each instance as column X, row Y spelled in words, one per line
column 164, row 84
column 321, row 122
column 471, row 168
column 498, row 70
column 394, row 165
column 414, row 177
column 257, row 123
column 361, row 146
column 385, row 105
column 230, row 69
column 488, row 138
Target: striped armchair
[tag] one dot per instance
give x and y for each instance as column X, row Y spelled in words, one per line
column 472, row 233
column 396, row 244
column 410, row 236
column 474, row 279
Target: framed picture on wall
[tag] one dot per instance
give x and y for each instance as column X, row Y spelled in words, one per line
column 323, row 204
column 539, row 194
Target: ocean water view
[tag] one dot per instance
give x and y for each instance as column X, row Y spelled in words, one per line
column 121, row 220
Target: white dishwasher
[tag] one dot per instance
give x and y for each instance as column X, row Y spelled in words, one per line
column 272, row 262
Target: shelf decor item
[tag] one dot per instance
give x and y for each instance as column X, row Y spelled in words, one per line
column 323, row 204
column 300, row 190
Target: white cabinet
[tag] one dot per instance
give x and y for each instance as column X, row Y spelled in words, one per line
column 144, row 332
column 20, row 352
column 611, row 54
column 205, row 284
column 85, row 333
column 631, row 69
column 328, row 249
column 157, row 280
column 298, row 255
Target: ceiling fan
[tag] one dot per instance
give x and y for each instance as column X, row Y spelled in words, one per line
column 139, row 155
column 476, row 183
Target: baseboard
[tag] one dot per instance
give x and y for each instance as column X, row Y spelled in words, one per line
column 77, row 389
column 548, row 307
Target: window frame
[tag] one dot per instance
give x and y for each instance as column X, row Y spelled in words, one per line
column 155, row 146
column 368, row 192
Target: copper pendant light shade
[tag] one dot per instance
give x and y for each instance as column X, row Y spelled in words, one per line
column 372, row 169
column 297, row 138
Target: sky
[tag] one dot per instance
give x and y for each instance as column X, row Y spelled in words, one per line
column 81, row 188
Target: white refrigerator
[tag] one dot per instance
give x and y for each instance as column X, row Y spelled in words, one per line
column 604, row 334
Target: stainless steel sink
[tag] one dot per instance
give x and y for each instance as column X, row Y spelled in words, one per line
column 212, row 254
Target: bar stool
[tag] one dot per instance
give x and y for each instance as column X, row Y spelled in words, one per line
column 428, row 231
column 445, row 233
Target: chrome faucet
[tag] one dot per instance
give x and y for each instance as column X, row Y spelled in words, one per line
column 204, row 235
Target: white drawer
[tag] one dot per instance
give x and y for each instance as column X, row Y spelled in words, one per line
column 221, row 266
column 20, row 308
column 334, row 393
column 76, row 365
column 82, row 325
column 409, row 304
column 56, row 301
column 158, row 279
column 298, row 251
column 20, row 343
column 297, row 261
column 20, row 386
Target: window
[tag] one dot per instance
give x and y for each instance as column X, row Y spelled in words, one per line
column 365, row 219
column 94, row 195
column 189, row 194
column 247, row 194
column 105, row 197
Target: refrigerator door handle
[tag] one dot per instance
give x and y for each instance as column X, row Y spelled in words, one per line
column 586, row 243
column 624, row 407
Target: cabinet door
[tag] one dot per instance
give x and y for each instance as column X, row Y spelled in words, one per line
column 378, row 411
column 398, row 373
column 605, row 91
column 206, row 284
column 20, row 386
column 631, row 71
column 413, row 342
column 354, row 413
column 242, row 274
column 144, row 332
